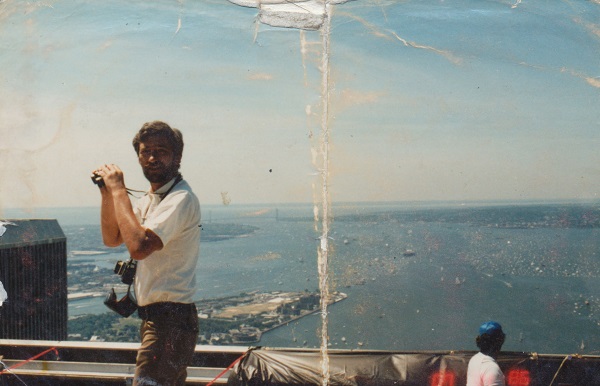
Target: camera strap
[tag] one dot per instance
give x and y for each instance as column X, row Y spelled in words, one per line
column 177, row 180
column 133, row 262
column 128, row 304
column 162, row 196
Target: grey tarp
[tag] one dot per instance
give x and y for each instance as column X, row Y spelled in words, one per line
column 268, row 366
column 298, row 367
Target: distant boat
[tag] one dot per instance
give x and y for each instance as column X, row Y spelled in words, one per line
column 409, row 252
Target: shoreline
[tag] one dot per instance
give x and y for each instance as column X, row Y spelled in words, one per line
column 343, row 296
column 336, row 298
column 84, row 295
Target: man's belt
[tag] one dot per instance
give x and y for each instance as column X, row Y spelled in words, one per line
column 165, row 308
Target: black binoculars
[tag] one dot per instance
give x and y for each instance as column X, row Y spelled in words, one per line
column 96, row 179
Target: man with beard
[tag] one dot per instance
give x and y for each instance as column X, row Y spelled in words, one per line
column 162, row 233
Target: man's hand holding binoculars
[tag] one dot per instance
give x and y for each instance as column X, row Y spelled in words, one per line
column 109, row 176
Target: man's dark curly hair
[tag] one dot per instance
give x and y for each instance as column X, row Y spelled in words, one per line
column 160, row 129
column 488, row 343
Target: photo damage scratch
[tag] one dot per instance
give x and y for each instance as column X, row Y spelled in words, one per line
column 3, row 225
column 312, row 15
column 3, row 294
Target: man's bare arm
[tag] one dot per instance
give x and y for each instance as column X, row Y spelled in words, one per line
column 140, row 242
column 121, row 224
column 111, row 237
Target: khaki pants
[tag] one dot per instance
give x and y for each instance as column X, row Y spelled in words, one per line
column 169, row 336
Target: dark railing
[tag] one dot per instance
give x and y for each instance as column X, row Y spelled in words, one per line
column 98, row 363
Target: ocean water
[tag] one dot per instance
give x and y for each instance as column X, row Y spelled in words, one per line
column 535, row 269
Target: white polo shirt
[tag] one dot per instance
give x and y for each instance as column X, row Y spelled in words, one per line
column 169, row 275
column 484, row 371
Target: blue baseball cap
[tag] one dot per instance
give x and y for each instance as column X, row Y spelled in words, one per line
column 490, row 328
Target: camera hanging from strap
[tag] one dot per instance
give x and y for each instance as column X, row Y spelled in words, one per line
column 124, row 306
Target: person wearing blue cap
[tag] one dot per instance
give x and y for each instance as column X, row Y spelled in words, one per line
column 483, row 369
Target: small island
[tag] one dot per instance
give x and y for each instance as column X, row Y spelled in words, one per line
column 244, row 318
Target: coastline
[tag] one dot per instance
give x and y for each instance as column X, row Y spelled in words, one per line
column 84, row 295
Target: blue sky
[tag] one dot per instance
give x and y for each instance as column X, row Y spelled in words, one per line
column 430, row 100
